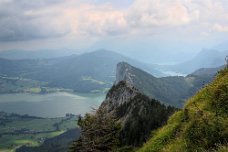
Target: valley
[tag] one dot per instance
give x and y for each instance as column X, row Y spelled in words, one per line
column 18, row 130
column 42, row 117
column 50, row 88
column 114, row 76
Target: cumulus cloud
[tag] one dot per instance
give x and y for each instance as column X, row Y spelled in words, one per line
column 101, row 20
column 150, row 13
column 26, row 19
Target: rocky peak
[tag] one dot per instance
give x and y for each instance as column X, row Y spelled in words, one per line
column 124, row 72
column 119, row 94
column 136, row 112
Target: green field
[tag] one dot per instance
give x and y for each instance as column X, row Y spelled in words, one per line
column 16, row 131
column 22, row 85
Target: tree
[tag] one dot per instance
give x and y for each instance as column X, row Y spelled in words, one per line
column 99, row 133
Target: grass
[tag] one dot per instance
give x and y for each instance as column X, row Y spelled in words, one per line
column 163, row 135
column 201, row 126
column 35, row 90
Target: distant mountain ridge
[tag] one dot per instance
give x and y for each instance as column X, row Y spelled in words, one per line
column 200, row 126
column 207, row 58
column 172, row 90
column 38, row 54
column 124, row 106
column 89, row 72
column 207, row 71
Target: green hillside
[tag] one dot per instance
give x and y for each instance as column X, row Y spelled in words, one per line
column 201, row 126
column 171, row 90
column 88, row 72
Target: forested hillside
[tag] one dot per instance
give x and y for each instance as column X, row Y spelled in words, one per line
column 122, row 122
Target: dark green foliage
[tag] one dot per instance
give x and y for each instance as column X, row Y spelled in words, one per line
column 100, row 133
column 144, row 115
column 120, row 127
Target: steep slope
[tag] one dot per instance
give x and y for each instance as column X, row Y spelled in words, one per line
column 124, row 106
column 200, row 126
column 169, row 90
column 89, row 72
column 137, row 113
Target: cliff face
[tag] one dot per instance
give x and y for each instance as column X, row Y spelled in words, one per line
column 169, row 90
column 173, row 90
column 124, row 72
column 119, row 94
column 127, row 107
column 137, row 113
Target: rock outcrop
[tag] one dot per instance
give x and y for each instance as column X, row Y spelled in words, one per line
column 137, row 113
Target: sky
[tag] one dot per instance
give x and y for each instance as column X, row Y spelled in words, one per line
column 146, row 29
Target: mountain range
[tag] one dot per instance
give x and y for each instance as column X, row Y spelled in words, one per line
column 139, row 103
column 37, row 54
column 172, row 90
column 127, row 118
column 207, row 58
column 89, row 72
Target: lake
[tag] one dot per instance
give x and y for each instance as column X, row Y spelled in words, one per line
column 50, row 105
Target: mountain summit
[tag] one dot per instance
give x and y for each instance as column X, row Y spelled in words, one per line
column 125, row 117
column 172, row 90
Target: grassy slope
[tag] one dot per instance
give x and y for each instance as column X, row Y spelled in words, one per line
column 201, row 126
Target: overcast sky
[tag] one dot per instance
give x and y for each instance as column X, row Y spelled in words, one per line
column 129, row 26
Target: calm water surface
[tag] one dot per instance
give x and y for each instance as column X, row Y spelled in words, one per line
column 50, row 105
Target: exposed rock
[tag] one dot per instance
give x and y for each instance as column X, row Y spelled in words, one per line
column 137, row 113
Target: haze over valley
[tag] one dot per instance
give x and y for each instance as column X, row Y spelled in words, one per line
column 113, row 76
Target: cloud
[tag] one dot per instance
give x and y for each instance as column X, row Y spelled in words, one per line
column 26, row 20
column 22, row 20
column 89, row 19
column 220, row 28
column 150, row 13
